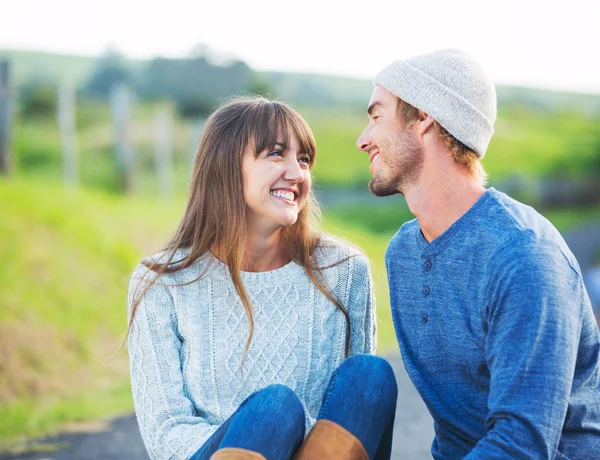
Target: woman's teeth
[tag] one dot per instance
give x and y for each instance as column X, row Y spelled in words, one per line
column 281, row 194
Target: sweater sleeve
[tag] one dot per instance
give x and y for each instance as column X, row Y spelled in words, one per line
column 169, row 423
column 361, row 307
column 534, row 320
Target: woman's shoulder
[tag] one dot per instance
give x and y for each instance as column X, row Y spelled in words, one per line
column 333, row 250
column 174, row 258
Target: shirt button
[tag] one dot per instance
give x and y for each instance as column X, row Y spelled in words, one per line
column 425, row 318
column 427, row 265
column 426, row 291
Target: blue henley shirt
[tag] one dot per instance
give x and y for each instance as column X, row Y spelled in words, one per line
column 497, row 334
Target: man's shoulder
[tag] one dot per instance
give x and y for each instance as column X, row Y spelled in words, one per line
column 518, row 236
column 529, row 249
column 403, row 241
column 522, row 230
column 512, row 215
column 407, row 232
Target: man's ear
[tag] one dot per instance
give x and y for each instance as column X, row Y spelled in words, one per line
column 425, row 122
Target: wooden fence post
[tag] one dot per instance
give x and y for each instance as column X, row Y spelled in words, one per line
column 68, row 134
column 121, row 113
column 195, row 129
column 163, row 152
column 5, row 119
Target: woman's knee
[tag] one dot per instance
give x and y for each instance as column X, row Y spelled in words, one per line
column 279, row 395
column 280, row 399
column 271, row 422
column 375, row 372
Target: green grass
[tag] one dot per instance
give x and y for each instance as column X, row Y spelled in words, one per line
column 339, row 162
column 37, row 150
column 67, row 255
column 541, row 145
column 525, row 144
column 566, row 219
column 66, row 260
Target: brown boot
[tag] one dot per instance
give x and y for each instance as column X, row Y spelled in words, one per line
column 234, row 453
column 330, row 441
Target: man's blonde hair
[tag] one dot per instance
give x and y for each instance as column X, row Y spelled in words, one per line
column 462, row 154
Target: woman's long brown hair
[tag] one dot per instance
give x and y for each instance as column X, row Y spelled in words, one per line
column 215, row 211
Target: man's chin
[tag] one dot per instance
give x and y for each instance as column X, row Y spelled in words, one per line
column 379, row 189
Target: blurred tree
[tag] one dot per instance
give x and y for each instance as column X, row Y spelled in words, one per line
column 195, row 107
column 38, row 99
column 110, row 69
column 196, row 85
column 584, row 162
column 260, row 86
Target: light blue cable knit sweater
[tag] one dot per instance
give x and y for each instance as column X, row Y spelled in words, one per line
column 186, row 343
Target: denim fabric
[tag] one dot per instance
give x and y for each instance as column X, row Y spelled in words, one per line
column 498, row 335
column 270, row 421
column 361, row 397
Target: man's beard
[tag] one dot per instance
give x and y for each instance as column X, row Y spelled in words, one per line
column 403, row 165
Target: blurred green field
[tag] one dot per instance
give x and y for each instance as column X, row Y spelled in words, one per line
column 63, row 298
column 525, row 144
column 68, row 256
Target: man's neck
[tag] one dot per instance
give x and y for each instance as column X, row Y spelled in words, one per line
column 439, row 200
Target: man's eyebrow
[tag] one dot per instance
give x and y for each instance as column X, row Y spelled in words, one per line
column 373, row 106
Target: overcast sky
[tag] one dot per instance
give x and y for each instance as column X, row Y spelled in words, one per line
column 544, row 44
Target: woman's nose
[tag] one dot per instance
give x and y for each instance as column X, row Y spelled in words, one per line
column 293, row 171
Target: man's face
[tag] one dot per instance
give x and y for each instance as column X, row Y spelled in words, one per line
column 394, row 151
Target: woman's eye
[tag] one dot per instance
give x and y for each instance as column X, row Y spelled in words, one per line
column 375, row 118
column 305, row 159
column 275, row 153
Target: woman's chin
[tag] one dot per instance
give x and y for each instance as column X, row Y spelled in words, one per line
column 289, row 220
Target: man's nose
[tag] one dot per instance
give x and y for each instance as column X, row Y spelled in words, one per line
column 364, row 141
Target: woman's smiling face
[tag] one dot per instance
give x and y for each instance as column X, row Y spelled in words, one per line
column 277, row 183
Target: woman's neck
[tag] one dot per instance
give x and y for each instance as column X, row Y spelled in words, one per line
column 264, row 252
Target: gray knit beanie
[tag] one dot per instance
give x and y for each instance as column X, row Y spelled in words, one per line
column 450, row 86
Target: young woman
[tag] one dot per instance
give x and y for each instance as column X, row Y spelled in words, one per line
column 240, row 328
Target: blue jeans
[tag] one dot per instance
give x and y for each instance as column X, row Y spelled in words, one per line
column 361, row 397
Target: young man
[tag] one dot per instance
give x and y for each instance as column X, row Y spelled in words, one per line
column 493, row 320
